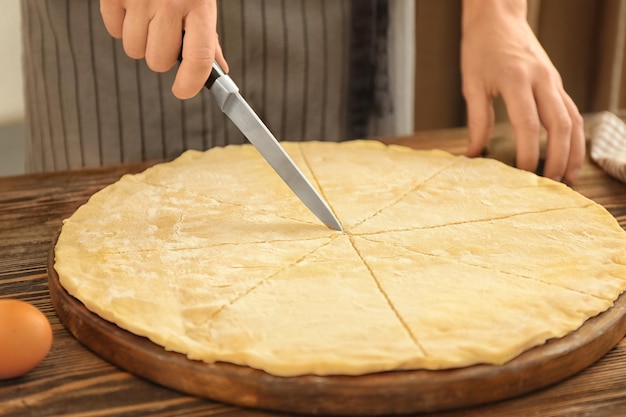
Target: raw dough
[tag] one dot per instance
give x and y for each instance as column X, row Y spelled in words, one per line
column 445, row 261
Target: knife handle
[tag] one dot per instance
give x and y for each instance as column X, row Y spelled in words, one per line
column 216, row 72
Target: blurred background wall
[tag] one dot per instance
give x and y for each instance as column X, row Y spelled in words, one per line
column 11, row 101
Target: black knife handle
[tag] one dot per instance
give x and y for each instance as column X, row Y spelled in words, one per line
column 212, row 78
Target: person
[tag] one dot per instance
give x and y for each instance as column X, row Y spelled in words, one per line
column 500, row 55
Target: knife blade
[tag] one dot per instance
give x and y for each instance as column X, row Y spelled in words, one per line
column 231, row 102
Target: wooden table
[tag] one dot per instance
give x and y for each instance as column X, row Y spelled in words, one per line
column 74, row 381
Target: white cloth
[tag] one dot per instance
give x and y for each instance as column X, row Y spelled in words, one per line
column 608, row 143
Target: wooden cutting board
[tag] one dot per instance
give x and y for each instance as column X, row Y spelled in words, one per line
column 400, row 392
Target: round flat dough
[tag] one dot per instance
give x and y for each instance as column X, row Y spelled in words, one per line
column 445, row 261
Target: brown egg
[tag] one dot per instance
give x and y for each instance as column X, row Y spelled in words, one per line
column 25, row 338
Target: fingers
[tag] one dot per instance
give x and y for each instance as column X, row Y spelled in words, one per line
column 549, row 105
column 522, row 110
column 135, row 29
column 164, row 42
column 198, row 54
column 219, row 57
column 577, row 144
column 152, row 29
column 113, row 17
column 557, row 121
column 480, row 120
column 500, row 55
column 155, row 35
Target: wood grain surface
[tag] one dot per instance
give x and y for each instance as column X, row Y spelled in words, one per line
column 74, row 381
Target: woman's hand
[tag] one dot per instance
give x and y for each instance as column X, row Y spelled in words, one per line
column 500, row 55
column 153, row 29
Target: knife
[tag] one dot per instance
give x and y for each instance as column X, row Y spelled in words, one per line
column 230, row 101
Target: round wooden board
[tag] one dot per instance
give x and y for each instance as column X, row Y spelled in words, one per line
column 400, row 392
